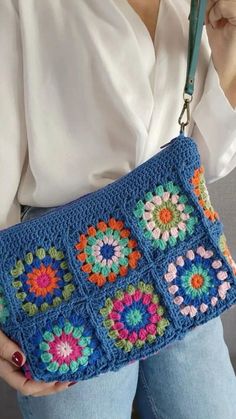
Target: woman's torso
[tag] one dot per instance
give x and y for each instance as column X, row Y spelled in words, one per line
column 99, row 96
column 148, row 12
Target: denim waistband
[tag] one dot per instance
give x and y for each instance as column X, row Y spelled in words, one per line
column 29, row 212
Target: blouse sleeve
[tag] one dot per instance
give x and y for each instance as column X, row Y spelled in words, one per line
column 12, row 127
column 215, row 128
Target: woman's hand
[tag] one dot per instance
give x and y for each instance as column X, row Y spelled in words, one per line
column 221, row 30
column 11, row 359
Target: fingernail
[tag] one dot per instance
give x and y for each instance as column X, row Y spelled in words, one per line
column 71, row 384
column 17, row 358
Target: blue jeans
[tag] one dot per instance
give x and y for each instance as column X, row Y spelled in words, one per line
column 192, row 378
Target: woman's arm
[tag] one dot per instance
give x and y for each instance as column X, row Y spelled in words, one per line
column 215, row 115
column 215, row 128
column 13, row 141
column 221, row 31
column 13, row 148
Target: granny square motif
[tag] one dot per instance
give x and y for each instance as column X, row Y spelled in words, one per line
column 118, row 274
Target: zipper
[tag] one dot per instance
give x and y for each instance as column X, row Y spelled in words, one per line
column 180, row 136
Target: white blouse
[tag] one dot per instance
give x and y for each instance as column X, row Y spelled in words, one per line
column 86, row 96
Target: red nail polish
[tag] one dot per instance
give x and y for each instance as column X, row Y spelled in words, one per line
column 17, row 358
column 71, row 384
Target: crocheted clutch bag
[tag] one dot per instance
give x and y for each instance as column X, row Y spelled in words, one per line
column 119, row 273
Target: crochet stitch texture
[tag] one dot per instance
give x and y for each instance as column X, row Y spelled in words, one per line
column 119, row 273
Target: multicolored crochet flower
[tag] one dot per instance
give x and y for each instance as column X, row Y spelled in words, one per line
column 42, row 280
column 4, row 312
column 107, row 251
column 197, row 281
column 165, row 215
column 134, row 317
column 66, row 347
column 200, row 189
column 226, row 252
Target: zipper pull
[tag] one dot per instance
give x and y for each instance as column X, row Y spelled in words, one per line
column 181, row 135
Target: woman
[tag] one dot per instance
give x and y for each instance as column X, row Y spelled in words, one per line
column 88, row 92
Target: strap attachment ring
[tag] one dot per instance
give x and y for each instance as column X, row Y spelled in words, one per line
column 185, row 110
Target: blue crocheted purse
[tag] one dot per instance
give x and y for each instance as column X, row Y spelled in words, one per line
column 119, row 273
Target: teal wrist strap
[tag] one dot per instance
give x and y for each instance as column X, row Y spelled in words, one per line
column 197, row 16
column 196, row 21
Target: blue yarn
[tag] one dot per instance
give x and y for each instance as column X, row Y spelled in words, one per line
column 81, row 313
column 198, row 262
column 48, row 260
column 107, row 251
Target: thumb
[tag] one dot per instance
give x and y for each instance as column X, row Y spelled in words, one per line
column 10, row 351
